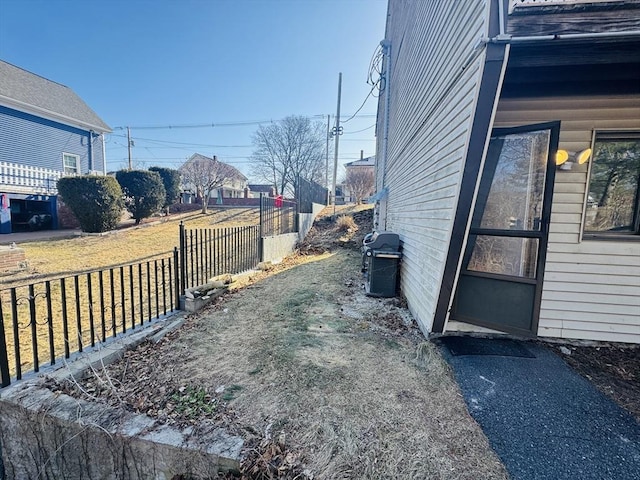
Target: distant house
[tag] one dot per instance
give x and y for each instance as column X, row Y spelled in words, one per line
column 357, row 175
column 256, row 189
column 234, row 185
column 509, row 164
column 46, row 132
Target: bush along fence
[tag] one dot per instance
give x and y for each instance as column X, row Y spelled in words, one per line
column 47, row 321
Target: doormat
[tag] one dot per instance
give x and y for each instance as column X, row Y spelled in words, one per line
column 501, row 347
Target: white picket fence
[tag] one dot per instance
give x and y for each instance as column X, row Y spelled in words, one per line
column 14, row 176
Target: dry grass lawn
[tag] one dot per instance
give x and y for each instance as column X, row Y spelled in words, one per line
column 312, row 373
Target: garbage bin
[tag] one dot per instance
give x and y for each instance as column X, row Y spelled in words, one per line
column 380, row 260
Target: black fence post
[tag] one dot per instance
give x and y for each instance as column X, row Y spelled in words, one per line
column 260, row 233
column 5, row 378
column 176, row 277
column 296, row 224
column 182, row 278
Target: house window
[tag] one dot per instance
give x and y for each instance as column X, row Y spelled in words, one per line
column 613, row 202
column 71, row 164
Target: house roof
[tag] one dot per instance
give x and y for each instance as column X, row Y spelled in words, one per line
column 31, row 93
column 365, row 162
column 237, row 174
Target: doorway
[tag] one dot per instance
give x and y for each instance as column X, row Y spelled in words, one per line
column 500, row 283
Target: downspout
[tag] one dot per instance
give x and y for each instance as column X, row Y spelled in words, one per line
column 90, row 151
column 104, row 154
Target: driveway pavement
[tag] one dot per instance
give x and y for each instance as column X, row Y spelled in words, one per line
column 39, row 235
column 542, row 419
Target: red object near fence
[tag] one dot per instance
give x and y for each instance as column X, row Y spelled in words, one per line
column 278, row 201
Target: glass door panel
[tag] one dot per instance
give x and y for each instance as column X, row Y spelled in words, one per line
column 514, row 198
column 513, row 256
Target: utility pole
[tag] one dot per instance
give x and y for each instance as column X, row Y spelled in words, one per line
column 337, row 131
column 326, row 172
column 129, row 146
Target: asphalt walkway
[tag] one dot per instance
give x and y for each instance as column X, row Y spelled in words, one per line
column 542, row 419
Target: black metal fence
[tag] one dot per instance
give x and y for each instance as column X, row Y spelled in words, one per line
column 278, row 216
column 43, row 322
column 206, row 253
column 308, row 193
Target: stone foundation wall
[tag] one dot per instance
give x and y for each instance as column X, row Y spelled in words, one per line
column 49, row 435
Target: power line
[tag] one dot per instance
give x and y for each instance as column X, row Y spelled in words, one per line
column 363, row 103
column 154, row 140
column 218, row 124
column 358, row 131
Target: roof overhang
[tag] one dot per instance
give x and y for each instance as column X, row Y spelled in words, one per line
column 573, row 66
column 49, row 115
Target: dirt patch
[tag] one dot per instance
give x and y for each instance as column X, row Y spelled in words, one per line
column 320, row 380
column 613, row 369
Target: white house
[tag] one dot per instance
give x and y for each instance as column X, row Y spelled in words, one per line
column 509, row 164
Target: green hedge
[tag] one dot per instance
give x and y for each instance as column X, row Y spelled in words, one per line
column 143, row 191
column 96, row 201
column 171, row 181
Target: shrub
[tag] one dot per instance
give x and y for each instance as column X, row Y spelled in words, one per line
column 95, row 201
column 143, row 192
column 66, row 218
column 171, row 181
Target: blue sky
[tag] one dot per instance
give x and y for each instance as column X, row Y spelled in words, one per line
column 162, row 63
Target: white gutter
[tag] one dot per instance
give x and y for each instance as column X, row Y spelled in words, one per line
column 567, row 36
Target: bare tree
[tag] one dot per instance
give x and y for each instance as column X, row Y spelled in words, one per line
column 205, row 175
column 287, row 149
column 360, row 182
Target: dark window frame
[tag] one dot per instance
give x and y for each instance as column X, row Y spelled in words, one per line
column 611, row 235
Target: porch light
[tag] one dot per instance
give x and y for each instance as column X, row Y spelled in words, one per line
column 561, row 157
column 583, row 156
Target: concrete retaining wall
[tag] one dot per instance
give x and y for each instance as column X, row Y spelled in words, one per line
column 52, row 435
column 47, row 435
column 277, row 247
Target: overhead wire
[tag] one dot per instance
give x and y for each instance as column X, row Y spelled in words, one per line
column 374, row 77
column 214, row 124
column 358, row 131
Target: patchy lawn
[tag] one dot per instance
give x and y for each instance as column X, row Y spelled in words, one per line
column 322, row 381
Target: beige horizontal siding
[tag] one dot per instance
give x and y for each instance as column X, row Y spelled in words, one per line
column 591, row 288
column 430, row 116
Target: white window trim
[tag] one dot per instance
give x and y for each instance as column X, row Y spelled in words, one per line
column 64, row 166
